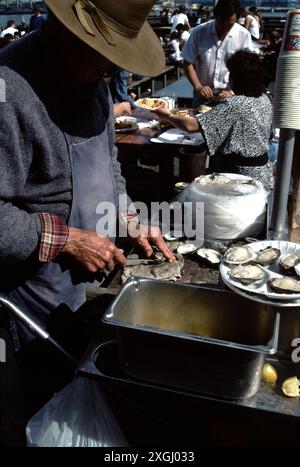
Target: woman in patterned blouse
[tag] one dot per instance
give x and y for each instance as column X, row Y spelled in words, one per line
column 237, row 130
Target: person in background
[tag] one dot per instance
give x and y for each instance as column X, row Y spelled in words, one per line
column 122, row 108
column 271, row 54
column 184, row 34
column 10, row 29
column 8, row 39
column 118, row 85
column 208, row 48
column 252, row 25
column 180, row 18
column 256, row 15
column 37, row 20
column 242, row 16
column 174, row 53
column 237, row 130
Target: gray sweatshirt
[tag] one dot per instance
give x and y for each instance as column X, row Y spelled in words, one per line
column 34, row 159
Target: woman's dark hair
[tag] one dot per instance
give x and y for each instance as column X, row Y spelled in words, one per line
column 246, row 73
column 226, row 8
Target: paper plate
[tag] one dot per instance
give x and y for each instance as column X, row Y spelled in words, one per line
column 272, row 271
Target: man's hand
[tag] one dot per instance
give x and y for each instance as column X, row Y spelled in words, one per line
column 224, row 94
column 93, row 252
column 123, row 108
column 205, row 92
column 143, row 235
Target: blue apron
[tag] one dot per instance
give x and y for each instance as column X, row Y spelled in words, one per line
column 55, row 283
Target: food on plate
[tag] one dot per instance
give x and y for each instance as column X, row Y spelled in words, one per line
column 150, row 103
column 267, row 256
column 122, row 123
column 269, row 373
column 239, row 255
column 180, row 112
column 285, row 285
column 289, row 264
column 247, row 274
column 290, row 387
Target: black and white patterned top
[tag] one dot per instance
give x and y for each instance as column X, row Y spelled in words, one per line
column 240, row 125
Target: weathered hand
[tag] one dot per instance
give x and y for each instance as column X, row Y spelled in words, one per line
column 143, row 235
column 93, row 252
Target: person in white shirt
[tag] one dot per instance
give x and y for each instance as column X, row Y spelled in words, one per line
column 10, row 29
column 184, row 34
column 174, row 48
column 208, row 49
column 180, row 18
column 253, row 26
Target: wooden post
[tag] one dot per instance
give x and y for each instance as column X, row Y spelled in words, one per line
column 294, row 230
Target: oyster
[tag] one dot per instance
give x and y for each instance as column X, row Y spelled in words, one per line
column 288, row 262
column 247, row 274
column 169, row 237
column 285, row 285
column 239, row 255
column 267, row 256
column 290, row 387
column 187, row 248
column 297, row 268
column 210, row 256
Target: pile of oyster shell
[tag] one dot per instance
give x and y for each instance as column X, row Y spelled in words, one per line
column 249, row 267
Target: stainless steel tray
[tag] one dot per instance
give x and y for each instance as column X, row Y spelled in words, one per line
column 193, row 337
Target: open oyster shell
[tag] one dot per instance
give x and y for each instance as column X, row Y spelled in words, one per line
column 239, row 255
column 247, row 274
column 267, row 256
column 288, row 262
column 285, row 285
column 209, row 256
column 187, row 248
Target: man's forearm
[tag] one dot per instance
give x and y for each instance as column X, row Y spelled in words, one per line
column 192, row 75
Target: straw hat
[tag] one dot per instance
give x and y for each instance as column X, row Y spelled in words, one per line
column 118, row 30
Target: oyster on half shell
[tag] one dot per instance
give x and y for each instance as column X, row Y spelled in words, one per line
column 288, row 262
column 247, row 274
column 239, row 255
column 267, row 256
column 285, row 285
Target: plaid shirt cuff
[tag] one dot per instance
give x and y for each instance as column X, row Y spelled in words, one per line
column 54, row 237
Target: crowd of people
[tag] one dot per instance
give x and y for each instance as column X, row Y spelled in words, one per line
column 13, row 32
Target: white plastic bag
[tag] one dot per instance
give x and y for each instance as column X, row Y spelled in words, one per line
column 77, row 416
column 231, row 211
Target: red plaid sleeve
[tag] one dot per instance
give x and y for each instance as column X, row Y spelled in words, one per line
column 54, row 237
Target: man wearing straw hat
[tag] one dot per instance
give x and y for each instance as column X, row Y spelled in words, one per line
column 57, row 156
